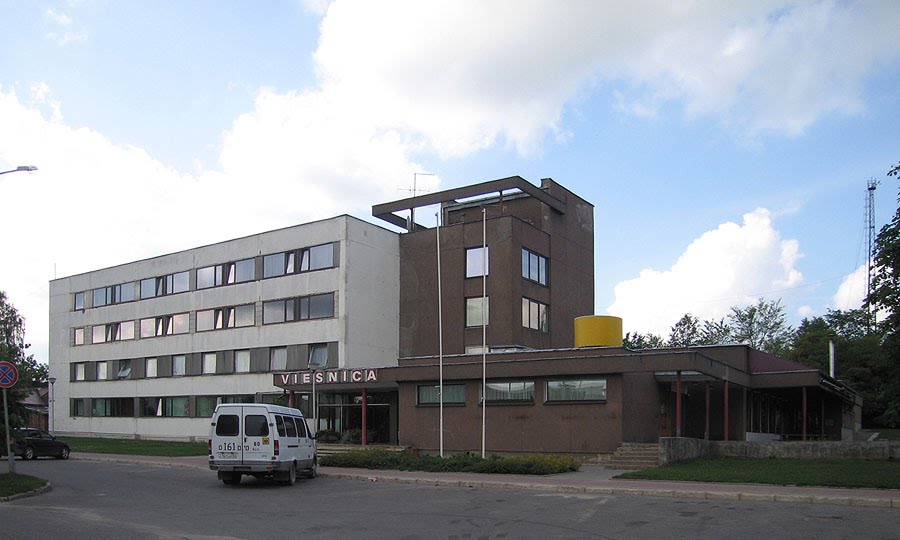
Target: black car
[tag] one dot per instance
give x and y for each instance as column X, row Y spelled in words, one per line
column 31, row 443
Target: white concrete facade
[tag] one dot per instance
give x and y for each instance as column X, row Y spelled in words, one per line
column 363, row 331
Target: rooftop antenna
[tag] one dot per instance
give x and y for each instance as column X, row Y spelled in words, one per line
column 415, row 191
column 870, row 229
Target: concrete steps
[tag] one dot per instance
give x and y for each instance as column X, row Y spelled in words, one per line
column 634, row 456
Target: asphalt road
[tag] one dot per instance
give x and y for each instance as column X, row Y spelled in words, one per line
column 91, row 500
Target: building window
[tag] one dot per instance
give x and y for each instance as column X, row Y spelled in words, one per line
column 79, row 371
column 242, row 361
column 112, row 332
column 78, row 304
column 505, row 392
column 124, row 369
column 79, row 336
column 209, row 363
column 165, row 285
column 115, row 294
column 227, row 317
column 206, row 405
column 535, row 315
column 318, row 306
column 102, row 371
column 77, row 407
column 454, row 394
column 165, row 325
column 318, row 355
column 150, row 368
column 577, row 390
column 317, row 257
column 278, row 359
column 116, row 407
column 226, row 274
column 475, row 316
column 278, row 264
column 178, row 406
column 178, row 362
column 534, row 266
column 98, row 334
column 478, row 261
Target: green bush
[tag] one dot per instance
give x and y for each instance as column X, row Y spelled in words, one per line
column 384, row 459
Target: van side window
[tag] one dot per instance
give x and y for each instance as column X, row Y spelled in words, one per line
column 301, row 427
column 256, row 425
column 279, row 425
column 291, row 428
column 227, row 425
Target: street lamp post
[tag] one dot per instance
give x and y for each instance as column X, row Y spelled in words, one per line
column 21, row 168
column 52, row 381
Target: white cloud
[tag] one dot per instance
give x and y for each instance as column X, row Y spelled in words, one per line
column 851, row 292
column 468, row 75
column 724, row 267
column 58, row 17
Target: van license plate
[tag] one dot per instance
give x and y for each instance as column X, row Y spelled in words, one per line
column 226, row 455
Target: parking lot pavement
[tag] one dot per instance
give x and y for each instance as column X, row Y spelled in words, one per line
column 593, row 479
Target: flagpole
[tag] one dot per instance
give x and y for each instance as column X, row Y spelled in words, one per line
column 484, row 256
column 440, row 333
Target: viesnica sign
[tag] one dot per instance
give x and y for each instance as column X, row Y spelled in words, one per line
column 334, row 376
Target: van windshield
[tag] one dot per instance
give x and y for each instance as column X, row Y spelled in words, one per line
column 256, row 425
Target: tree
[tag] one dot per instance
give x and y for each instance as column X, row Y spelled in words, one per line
column 885, row 297
column 762, row 326
column 686, row 332
column 12, row 349
column 638, row 341
column 715, row 333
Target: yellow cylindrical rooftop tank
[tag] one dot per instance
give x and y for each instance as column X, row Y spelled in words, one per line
column 598, row 331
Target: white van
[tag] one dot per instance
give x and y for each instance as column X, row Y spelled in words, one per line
column 261, row 440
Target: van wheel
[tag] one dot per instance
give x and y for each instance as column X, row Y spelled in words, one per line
column 292, row 475
column 230, row 478
column 312, row 471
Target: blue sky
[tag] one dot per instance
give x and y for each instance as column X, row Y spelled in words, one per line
column 726, row 146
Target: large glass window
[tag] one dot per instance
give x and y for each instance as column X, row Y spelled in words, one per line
column 79, row 336
column 510, row 391
column 273, row 312
column 577, row 390
column 165, row 325
column 475, row 316
column 244, row 270
column 206, row 405
column 278, row 264
column 477, row 262
column 317, row 257
column 166, row 406
column 102, row 371
column 114, row 294
column 98, row 334
column 164, row 285
column 150, row 368
column 209, row 363
column 431, row 394
column 245, row 315
column 535, row 315
column 178, row 365
column 116, row 407
column 278, row 357
column 242, row 361
column 124, row 369
column 206, row 277
column 318, row 355
column 79, row 301
column 125, row 330
column 180, row 323
column 79, row 371
column 534, row 266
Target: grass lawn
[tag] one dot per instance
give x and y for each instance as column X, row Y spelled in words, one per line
column 798, row 472
column 135, row 447
column 12, row 484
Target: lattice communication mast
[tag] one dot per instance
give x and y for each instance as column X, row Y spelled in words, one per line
column 870, row 230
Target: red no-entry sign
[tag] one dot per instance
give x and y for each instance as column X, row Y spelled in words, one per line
column 9, row 375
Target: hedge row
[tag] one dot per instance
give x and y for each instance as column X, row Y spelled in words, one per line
column 384, row 459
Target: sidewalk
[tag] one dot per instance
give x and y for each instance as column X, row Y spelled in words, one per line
column 593, row 479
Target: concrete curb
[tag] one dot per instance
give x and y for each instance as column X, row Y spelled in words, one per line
column 33, row 493
column 603, row 490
